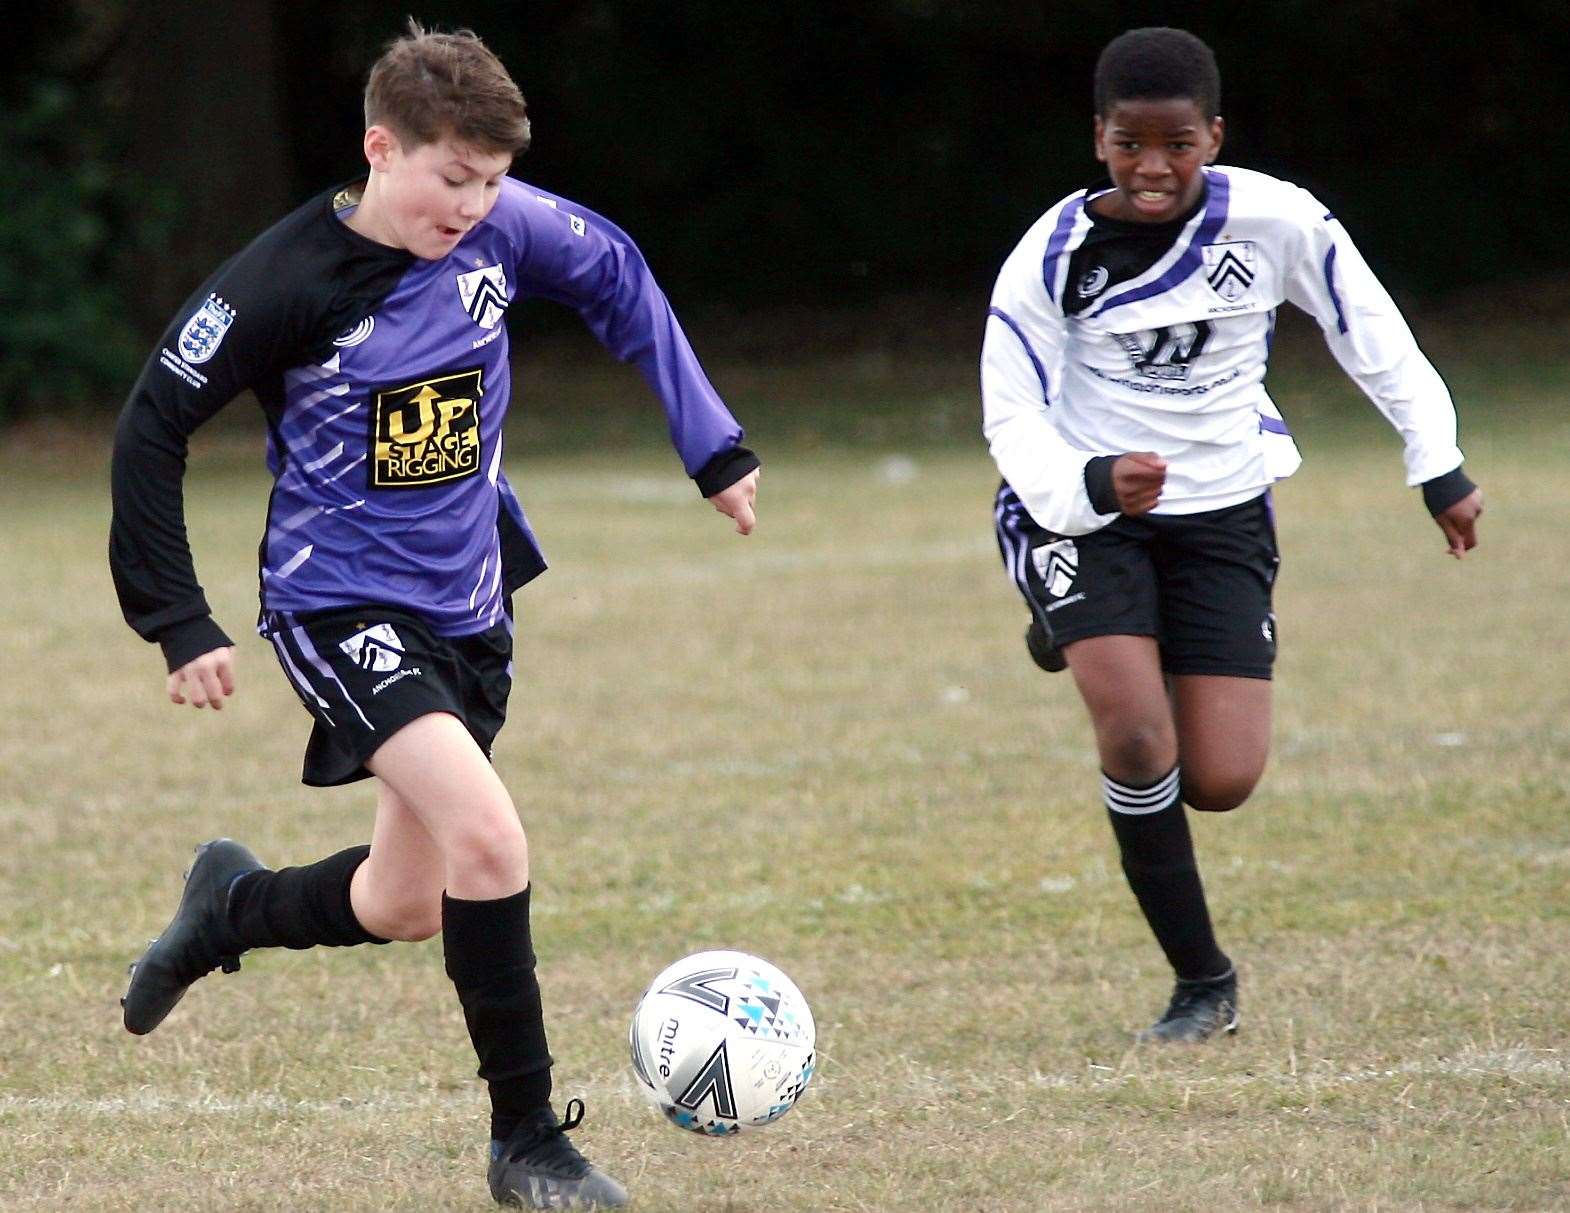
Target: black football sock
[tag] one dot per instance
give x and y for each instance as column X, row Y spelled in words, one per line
column 1158, row 858
column 299, row 907
column 490, row 959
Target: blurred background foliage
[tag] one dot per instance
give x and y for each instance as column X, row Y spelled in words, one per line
column 797, row 174
column 63, row 327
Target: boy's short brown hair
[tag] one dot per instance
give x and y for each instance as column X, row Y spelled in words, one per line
column 427, row 85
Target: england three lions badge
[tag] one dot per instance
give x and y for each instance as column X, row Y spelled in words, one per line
column 1230, row 268
column 203, row 332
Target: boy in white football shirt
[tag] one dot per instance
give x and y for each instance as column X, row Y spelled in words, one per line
column 1122, row 381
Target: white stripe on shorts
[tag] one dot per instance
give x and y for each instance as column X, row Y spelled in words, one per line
column 301, row 684
column 308, row 651
column 1015, row 545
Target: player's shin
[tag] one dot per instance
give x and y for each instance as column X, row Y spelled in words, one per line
column 302, row 907
column 1158, row 860
column 490, row 959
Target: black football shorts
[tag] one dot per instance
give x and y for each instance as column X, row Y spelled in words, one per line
column 1199, row 583
column 363, row 672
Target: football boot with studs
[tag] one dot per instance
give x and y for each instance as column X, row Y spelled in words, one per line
column 538, row 1167
column 1198, row 1011
column 197, row 940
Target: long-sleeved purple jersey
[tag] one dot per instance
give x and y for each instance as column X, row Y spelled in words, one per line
column 385, row 383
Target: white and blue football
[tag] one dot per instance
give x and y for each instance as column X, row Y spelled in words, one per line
column 721, row 1042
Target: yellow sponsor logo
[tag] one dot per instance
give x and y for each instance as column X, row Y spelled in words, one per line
column 426, row 433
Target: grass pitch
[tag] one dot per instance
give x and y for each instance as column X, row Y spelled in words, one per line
column 825, row 744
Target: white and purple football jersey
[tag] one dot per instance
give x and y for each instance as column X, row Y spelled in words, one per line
column 1105, row 337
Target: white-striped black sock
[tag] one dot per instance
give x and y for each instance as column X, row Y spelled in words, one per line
column 1137, row 801
column 1151, row 826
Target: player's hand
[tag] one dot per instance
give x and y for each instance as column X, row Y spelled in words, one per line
column 1137, row 479
column 736, row 502
column 204, row 682
column 1459, row 523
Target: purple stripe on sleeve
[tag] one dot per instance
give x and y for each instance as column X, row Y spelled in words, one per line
column 1330, row 285
column 1030, row 353
column 1059, row 241
column 1215, row 216
column 1269, row 425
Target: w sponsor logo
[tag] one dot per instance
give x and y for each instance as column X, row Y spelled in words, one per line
column 1230, row 268
column 1057, row 564
column 376, row 648
column 484, row 295
column 1168, row 352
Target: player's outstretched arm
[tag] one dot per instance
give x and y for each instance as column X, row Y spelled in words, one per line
column 205, row 681
column 568, row 254
column 1459, row 523
column 736, row 502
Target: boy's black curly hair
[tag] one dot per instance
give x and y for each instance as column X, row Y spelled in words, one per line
column 1156, row 64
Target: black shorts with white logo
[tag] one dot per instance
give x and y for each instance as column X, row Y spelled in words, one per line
column 1199, row 583
column 363, row 672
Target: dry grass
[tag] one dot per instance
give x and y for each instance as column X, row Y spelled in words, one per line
column 825, row 744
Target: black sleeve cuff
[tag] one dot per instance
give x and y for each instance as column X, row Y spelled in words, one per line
column 186, row 641
column 724, row 470
column 1442, row 492
column 1098, row 484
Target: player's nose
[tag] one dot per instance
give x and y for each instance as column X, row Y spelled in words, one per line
column 471, row 203
column 1152, row 163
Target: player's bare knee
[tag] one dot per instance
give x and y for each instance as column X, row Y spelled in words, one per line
column 490, row 857
column 1216, row 796
column 1137, row 754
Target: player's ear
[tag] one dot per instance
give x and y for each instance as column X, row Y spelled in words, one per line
column 380, row 144
column 1098, row 129
column 1217, row 134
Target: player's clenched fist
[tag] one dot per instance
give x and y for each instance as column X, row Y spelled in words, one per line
column 1137, row 479
column 1459, row 523
column 204, row 682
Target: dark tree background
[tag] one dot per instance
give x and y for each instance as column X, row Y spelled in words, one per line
column 777, row 157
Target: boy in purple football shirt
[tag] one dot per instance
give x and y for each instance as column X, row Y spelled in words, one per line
column 369, row 324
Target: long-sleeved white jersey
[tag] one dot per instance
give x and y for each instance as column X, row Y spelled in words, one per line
column 1106, row 337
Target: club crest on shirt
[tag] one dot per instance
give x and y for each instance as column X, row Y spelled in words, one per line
column 1229, row 268
column 426, row 433
column 204, row 332
column 484, row 295
column 1056, row 565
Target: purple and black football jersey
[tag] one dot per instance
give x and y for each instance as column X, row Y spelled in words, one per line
column 385, row 381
